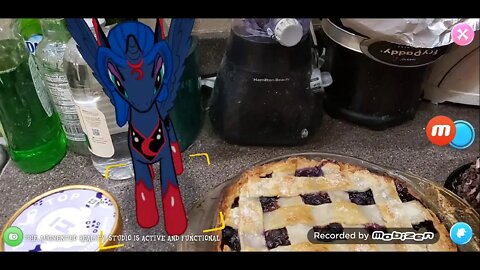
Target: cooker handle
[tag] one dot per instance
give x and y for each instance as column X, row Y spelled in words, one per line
column 319, row 79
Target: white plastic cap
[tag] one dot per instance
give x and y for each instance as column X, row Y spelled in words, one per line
column 90, row 23
column 320, row 79
column 288, row 32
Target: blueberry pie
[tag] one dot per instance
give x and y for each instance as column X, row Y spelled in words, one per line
column 274, row 207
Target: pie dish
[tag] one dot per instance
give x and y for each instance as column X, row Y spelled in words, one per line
column 272, row 207
column 204, row 218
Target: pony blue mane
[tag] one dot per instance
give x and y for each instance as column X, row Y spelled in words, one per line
column 118, row 35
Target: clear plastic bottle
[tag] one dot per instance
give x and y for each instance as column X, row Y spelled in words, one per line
column 107, row 141
column 49, row 56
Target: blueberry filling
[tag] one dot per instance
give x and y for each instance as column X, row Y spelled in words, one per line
column 427, row 225
column 277, row 237
column 373, row 227
column 315, row 198
column 361, row 198
column 269, row 203
column 230, row 238
column 403, row 193
column 310, row 172
column 235, row 202
column 332, row 228
column 268, row 175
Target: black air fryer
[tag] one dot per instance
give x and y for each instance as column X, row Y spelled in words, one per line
column 262, row 93
column 377, row 84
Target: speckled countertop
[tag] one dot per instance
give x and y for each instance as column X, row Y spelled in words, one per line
column 404, row 147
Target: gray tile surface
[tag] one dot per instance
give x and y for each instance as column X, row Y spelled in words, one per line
column 404, row 147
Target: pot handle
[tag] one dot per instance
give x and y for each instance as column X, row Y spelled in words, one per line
column 319, row 79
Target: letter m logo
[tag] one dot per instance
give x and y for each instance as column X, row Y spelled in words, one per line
column 441, row 130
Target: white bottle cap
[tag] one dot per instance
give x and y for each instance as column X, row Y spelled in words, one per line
column 90, row 23
column 288, row 32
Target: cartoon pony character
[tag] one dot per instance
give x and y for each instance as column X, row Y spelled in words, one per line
column 140, row 71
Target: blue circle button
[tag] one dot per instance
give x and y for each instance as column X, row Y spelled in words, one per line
column 461, row 233
column 464, row 136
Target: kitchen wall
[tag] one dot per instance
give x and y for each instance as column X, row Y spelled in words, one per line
column 202, row 26
column 212, row 34
column 211, row 27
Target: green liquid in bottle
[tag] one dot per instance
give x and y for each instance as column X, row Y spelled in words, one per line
column 36, row 142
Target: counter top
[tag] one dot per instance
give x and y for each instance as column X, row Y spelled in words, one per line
column 404, row 147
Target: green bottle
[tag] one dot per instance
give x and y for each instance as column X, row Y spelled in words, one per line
column 31, row 32
column 188, row 114
column 112, row 21
column 32, row 129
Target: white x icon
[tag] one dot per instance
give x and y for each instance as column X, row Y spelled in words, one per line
column 462, row 34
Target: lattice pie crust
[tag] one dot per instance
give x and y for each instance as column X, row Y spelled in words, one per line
column 273, row 206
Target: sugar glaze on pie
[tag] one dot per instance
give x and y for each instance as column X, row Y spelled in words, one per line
column 273, row 207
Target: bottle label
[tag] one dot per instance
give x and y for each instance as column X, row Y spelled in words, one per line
column 3, row 141
column 62, row 98
column 95, row 126
column 40, row 87
column 33, row 42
